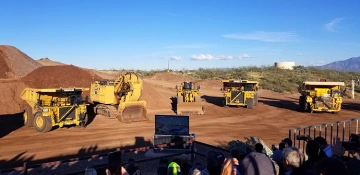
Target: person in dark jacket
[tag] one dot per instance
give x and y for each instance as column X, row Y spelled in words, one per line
column 330, row 166
column 312, row 151
column 354, row 164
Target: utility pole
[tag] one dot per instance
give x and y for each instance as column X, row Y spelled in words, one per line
column 353, row 89
column 168, row 65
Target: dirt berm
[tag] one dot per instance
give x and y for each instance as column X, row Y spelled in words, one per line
column 59, row 76
column 14, row 63
column 10, row 101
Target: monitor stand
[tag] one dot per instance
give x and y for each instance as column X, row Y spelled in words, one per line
column 166, row 139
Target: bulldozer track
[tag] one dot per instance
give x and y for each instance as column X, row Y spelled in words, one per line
column 125, row 116
column 108, row 111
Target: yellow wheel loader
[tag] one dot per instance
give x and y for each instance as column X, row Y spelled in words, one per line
column 188, row 100
column 46, row 108
column 320, row 96
column 119, row 98
column 240, row 93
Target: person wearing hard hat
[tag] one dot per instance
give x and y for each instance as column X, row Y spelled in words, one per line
column 174, row 169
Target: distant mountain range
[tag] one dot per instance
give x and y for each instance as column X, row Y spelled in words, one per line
column 351, row 64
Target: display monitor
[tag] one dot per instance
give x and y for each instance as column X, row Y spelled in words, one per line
column 171, row 125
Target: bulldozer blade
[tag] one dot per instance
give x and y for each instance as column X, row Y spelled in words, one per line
column 190, row 108
column 133, row 113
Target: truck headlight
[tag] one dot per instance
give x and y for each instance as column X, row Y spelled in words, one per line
column 45, row 110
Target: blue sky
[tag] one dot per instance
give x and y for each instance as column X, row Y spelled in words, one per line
column 145, row 34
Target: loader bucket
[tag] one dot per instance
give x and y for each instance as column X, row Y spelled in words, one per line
column 190, row 108
column 133, row 113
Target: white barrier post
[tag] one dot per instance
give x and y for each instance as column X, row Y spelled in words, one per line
column 353, row 89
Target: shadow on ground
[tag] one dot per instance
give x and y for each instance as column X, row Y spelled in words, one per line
column 278, row 103
column 173, row 104
column 213, row 100
column 91, row 114
column 10, row 123
column 55, row 162
column 351, row 106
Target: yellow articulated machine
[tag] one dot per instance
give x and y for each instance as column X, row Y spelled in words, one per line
column 120, row 98
column 46, row 108
column 320, row 96
column 188, row 100
column 240, row 93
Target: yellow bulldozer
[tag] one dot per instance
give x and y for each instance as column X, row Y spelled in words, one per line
column 188, row 99
column 46, row 108
column 320, row 96
column 240, row 93
column 119, row 98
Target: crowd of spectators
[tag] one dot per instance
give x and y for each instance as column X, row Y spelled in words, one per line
column 322, row 159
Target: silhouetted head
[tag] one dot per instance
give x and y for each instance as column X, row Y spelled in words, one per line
column 288, row 141
column 312, row 148
column 322, row 142
column 282, row 145
column 259, row 147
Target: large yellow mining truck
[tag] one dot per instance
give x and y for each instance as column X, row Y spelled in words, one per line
column 188, row 99
column 46, row 108
column 320, row 96
column 240, row 93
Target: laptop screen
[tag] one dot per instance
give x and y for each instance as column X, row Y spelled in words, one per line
column 171, row 125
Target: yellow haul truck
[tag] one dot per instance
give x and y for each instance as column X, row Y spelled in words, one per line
column 240, row 93
column 188, row 99
column 119, row 98
column 320, row 96
column 46, row 108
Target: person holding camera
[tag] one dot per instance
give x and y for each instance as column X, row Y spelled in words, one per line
column 353, row 165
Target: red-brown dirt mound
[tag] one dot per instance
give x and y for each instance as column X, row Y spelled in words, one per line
column 48, row 62
column 171, row 77
column 59, row 76
column 14, row 63
column 10, row 101
column 209, row 83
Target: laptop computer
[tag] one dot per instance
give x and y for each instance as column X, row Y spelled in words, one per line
column 172, row 128
column 172, row 125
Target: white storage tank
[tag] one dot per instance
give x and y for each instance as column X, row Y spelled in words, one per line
column 285, row 65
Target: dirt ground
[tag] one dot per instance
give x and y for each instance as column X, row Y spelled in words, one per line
column 269, row 121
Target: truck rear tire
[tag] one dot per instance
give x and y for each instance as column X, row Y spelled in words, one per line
column 223, row 103
column 250, row 103
column 301, row 104
column 85, row 121
column 28, row 116
column 41, row 123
